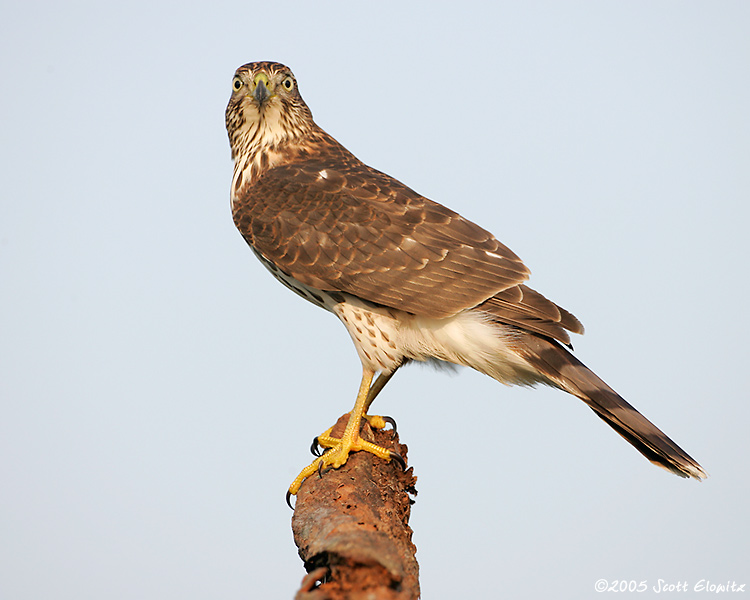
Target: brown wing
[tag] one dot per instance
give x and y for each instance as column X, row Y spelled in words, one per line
column 356, row 230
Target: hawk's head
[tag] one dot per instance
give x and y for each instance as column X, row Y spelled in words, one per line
column 265, row 110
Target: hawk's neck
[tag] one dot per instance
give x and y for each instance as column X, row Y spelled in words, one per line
column 262, row 155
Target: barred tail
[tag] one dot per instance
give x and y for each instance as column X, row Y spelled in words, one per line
column 565, row 371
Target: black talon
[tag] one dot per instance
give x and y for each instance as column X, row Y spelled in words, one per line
column 288, row 499
column 315, row 447
column 399, row 459
column 393, row 424
column 321, row 470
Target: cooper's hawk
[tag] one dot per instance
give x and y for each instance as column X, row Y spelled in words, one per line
column 409, row 278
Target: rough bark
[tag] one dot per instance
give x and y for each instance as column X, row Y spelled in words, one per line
column 352, row 528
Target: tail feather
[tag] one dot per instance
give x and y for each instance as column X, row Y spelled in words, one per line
column 565, row 371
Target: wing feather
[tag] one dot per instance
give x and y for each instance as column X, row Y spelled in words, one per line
column 353, row 229
column 529, row 310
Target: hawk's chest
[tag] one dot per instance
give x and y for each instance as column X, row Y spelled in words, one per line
column 314, row 295
column 249, row 168
column 385, row 337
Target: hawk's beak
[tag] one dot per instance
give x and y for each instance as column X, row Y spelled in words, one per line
column 261, row 93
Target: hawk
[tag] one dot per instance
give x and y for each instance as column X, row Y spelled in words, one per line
column 410, row 279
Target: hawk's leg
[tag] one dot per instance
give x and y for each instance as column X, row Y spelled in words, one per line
column 376, row 421
column 325, row 439
column 339, row 449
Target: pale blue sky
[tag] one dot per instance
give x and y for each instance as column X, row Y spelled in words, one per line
column 159, row 390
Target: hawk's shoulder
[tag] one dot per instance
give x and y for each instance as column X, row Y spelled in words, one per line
column 334, row 223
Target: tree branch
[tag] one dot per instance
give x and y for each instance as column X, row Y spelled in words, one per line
column 352, row 527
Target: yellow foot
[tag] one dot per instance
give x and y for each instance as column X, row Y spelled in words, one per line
column 326, row 440
column 337, row 455
column 340, row 448
column 378, row 422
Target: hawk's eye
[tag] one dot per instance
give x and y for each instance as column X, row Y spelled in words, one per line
column 236, row 83
column 288, row 83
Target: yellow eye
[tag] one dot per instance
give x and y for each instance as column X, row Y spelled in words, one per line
column 288, row 83
column 236, row 83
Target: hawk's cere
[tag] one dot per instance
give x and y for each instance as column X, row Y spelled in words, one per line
column 409, row 278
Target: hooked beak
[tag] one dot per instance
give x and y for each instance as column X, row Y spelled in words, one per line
column 261, row 92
